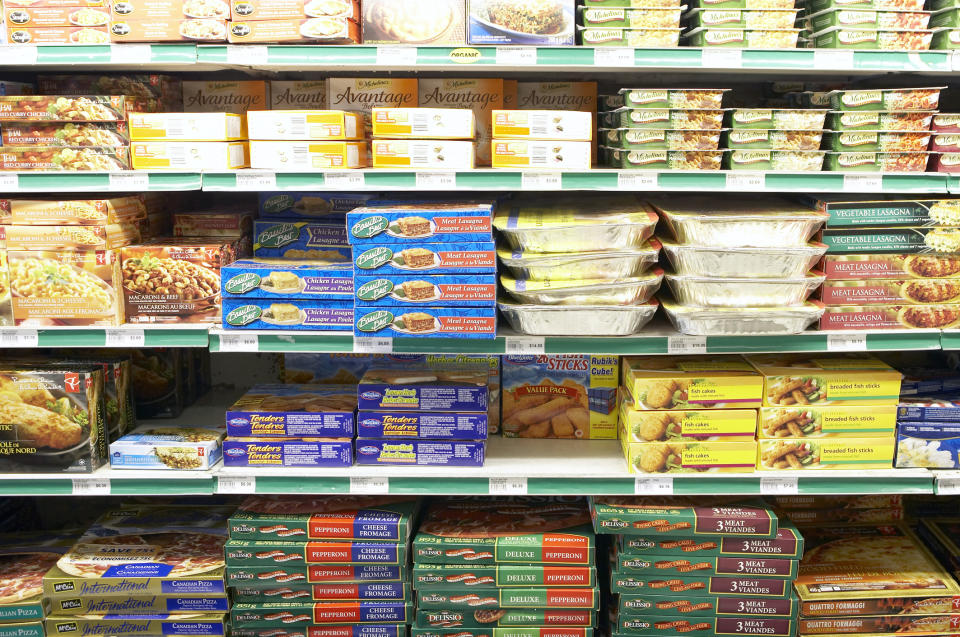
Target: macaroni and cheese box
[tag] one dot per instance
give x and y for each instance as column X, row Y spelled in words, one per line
column 309, row 205
column 407, row 425
column 560, row 396
column 301, row 240
column 649, row 624
column 63, row 108
column 420, row 388
column 456, row 453
column 416, row 223
column 288, row 280
column 887, row 211
column 424, row 123
column 296, row 95
column 691, row 382
column 295, row 411
column 705, row 424
column 689, row 456
column 79, row 212
column 74, row 134
column 810, row 421
column 494, row 617
column 847, row 379
column 307, row 593
column 768, row 567
column 185, row 624
column 168, row 448
column 183, row 155
column 732, row 587
column 431, row 321
column 693, row 604
column 332, row 612
column 425, row 153
column 304, row 314
column 509, row 598
column 469, row 576
column 280, row 574
column 829, row 453
column 66, row 237
column 341, row 551
column 305, row 125
column 432, row 258
column 788, row 543
column 650, row 516
column 307, row 155
column 559, row 125
column 287, row 452
column 195, row 127
column 450, row 290
column 225, row 96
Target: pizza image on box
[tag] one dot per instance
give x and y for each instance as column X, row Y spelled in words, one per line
column 145, row 555
column 21, row 575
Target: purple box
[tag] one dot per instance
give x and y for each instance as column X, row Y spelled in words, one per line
column 295, row 452
column 421, row 452
column 394, row 425
column 293, row 411
column 423, row 389
column 928, row 409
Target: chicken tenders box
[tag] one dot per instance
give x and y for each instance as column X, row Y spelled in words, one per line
column 436, row 389
column 279, row 575
column 288, row 452
column 845, row 379
column 25, row 561
column 267, row 552
column 788, row 544
column 402, row 425
column 465, row 577
column 309, row 205
column 416, row 223
column 656, row 516
column 267, row 616
column 560, row 396
column 262, row 278
column 324, row 411
column 691, row 382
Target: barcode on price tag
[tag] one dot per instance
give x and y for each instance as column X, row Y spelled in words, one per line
column 613, row 56
column 373, row 344
column 507, row 486
column 247, row 55
column 132, row 180
column 686, row 345
column 745, row 181
column 130, row 53
column 9, row 181
column 846, row 342
column 372, row 486
column 397, row 55
column 124, row 337
column 637, row 180
column 948, row 485
column 437, row 181
column 239, row 342
column 653, row 486
column 540, row 181
column 19, row 337
column 833, row 59
column 519, row 345
column 91, row 486
column 863, row 183
column 343, row 180
column 779, row 485
column 236, row 484
column 516, row 55
column 14, row 54
column 256, row 180
column 722, row 58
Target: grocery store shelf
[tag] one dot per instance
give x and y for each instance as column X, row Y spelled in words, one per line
column 125, row 336
column 947, row 482
column 100, row 56
column 107, row 481
column 127, row 181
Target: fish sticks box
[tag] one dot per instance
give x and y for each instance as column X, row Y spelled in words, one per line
column 294, row 411
column 450, row 290
column 442, row 453
column 440, row 222
column 281, row 314
column 310, row 205
column 277, row 238
column 288, row 452
column 275, row 279
column 400, row 425
column 432, row 321
column 427, row 258
column 437, row 389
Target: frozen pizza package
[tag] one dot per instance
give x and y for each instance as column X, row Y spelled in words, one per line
column 271, row 576
column 173, row 624
column 265, row 553
column 24, row 559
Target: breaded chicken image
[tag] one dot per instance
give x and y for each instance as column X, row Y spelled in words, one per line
column 38, row 397
column 41, row 427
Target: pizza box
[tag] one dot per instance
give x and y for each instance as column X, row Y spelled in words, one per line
column 337, row 612
column 327, row 630
column 300, row 593
column 899, row 624
column 676, row 517
column 150, row 518
column 263, row 553
column 831, row 517
column 468, row 576
column 24, row 629
column 803, row 502
column 696, row 604
column 505, row 530
column 666, row 565
column 272, row 575
column 941, row 537
column 126, row 603
column 788, row 543
column 503, row 618
column 736, row 586
column 672, row 625
column 298, row 518
column 509, row 598
column 213, row 624
column 502, row 632
column 24, row 561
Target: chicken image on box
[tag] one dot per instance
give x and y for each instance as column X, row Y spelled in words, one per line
column 288, row 452
column 289, row 280
column 415, row 223
column 294, row 411
column 279, row 574
column 431, row 425
column 454, row 453
column 448, row 290
column 428, row 258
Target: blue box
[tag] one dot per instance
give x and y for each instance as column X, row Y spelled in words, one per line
column 295, row 452
column 310, row 205
column 928, row 444
column 427, row 258
column 431, row 321
column 301, row 240
column 415, row 223
column 294, row 411
column 430, row 425
column 273, row 279
column 422, row 388
column 279, row 314
column 446, row 290
column 928, row 409
column 455, row 453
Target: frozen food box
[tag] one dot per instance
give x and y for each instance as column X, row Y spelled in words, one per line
column 653, row 18
column 427, row 258
column 691, row 382
column 553, row 125
column 662, row 159
column 421, row 222
column 175, row 624
column 508, row 153
column 886, row 211
column 649, row 516
column 834, row 421
column 148, row 90
column 705, row 425
column 890, row 266
column 882, row 39
column 277, row 9
column 428, row 153
column 825, row 517
column 363, row 94
column 763, row 19
column 689, row 456
column 902, row 624
column 305, row 125
column 482, row 95
column 455, row 598
column 694, row 604
column 172, row 29
column 82, row 212
column 265, row 278
column 329, row 630
column 932, row 445
column 288, row 452
column 281, row 314
column 70, row 237
column 183, row 155
column 829, row 453
column 301, row 240
column 410, row 22
column 778, row 119
column 295, row 95
column 423, row 123
column 457, row 453
column 63, row 108
column 279, row 574
column 446, row 290
column 407, row 425
column 890, row 292
column 168, row 448
column 919, row 409
column 215, row 127
column 339, row 551
column 214, row 223
column 671, row 97
column 893, row 99
column 307, row 593
column 945, row 143
column 663, row 118
column 27, row 560
column 880, row 120
column 57, row 158
column 914, row 316
column 767, row 567
column 295, row 411
column 891, row 141
column 324, row 30
column 846, row 379
column 903, row 240
column 231, row 96
column 17, row 16
column 939, row 535
column 648, row 624
column 805, row 502
column 770, row 139
column 75, row 134
column 306, row 518
column 126, row 603
column 424, row 388
column 519, row 531
column 787, row 544
column 326, row 612
column 161, row 10
column 743, row 38
column 463, row 577
column 432, row 321
column 721, row 587
column 548, row 25
column 796, row 160
column 662, row 139
column 297, row 155
column 495, row 617
column 309, row 205
column 57, row 35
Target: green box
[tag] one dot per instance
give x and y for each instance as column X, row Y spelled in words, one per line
column 778, row 118
column 792, row 160
column 627, row 18
column 663, row 159
column 946, row 38
column 658, row 139
column 770, row 139
column 663, row 118
column 373, row 590
column 696, row 605
column 868, row 162
column 501, row 632
column 892, row 99
column 320, row 613
column 746, row 4
column 940, row 5
column 650, row 517
column 345, row 519
column 867, row 39
column 877, row 141
column 719, row 37
column 637, row 4
column 707, row 566
column 669, row 97
column 547, row 598
column 671, row 625
column 788, row 543
column 264, row 553
column 187, row 624
column 631, row 584
column 469, row 576
column 816, row 6
column 275, row 574
column 903, row 240
column 880, row 121
column 494, row 617
column 754, row 19
column 22, row 629
column 861, row 19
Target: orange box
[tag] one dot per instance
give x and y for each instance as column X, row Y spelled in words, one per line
column 57, row 17
column 225, row 97
column 185, row 155
column 174, row 30
column 115, row 235
column 170, row 9
column 312, row 30
column 282, row 9
column 37, row 4
column 58, row 35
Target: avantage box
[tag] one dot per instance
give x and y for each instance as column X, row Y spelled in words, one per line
column 295, row 155
column 305, row 125
column 509, row 153
column 685, row 382
column 81, row 212
column 404, row 425
column 483, row 95
column 455, row 453
column 759, row 566
column 267, row 552
column 306, row 593
column 426, row 153
column 264, row 278
column 76, row 134
column 657, row 516
column 453, row 389
column 421, row 222
column 302, row 314
column 432, row 258
column 184, row 624
column 788, row 543
column 450, row 290
column 559, row 125
column 469, row 576
column 502, row 617
column 63, row 108
column 850, row 379
column 363, row 94
column 274, row 575
column 509, row 598
column 324, row 411
column 423, row 123
column 334, row 612
column 677, row 604
column 295, row 95
column 309, row 205
column 183, row 155
column 829, row 421
column 288, row 452
column 225, row 96
column 196, row 127
column 650, row 624
column 736, row 587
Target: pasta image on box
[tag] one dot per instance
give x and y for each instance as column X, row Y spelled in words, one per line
column 828, row 453
column 862, row 317
column 278, row 9
column 788, row 543
column 767, row 567
column 691, row 382
column 541, row 154
column 706, row 424
column 454, row 453
column 290, row 155
column 436, row 153
column 646, row 516
column 419, row 222
column 215, row 127
column 70, row 237
column 264, row 278
column 424, row 123
column 294, row 411
column 171, row 30
column 467, row 576
column 846, row 267
column 325, row 30
column 890, row 292
column 427, row 258
column 406, row 425
column 546, row 25
column 278, row 574
column 57, row 16
column 58, row 35
column 327, row 612
column 304, row 125
column 287, row 452
column 441, row 598
column 185, row 155
column 560, row 125
column 446, row 322
column 75, row 134
column 302, row 314
column 833, row 421
column 846, row 379
column 723, row 587
column 450, row 290
column 688, row 456
column 683, row 605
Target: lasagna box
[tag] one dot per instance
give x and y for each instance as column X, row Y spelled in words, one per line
column 509, row 598
column 444, row 322
column 327, row 612
column 427, row 258
column 735, row 587
column 913, row 316
column 309, row 205
column 656, row 516
column 844, row 379
column 855, row 267
column 300, row 240
column 455, row 389
column 871, row 292
column 267, row 314
column 788, row 543
column 454, row 453
column 889, row 211
column 325, row 411
column 449, row 290
column 177, row 448
column 469, row 576
column 288, row 452
column 691, row 382
column 277, row 574
column 267, row 552
column 401, row 425
column 494, row 617
column 306, row 593
column 417, row 223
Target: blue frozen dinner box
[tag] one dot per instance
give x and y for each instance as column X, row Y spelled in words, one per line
column 448, row 290
column 406, row 425
column 302, row 240
column 277, row 278
column 290, row 452
column 281, row 314
column 440, row 222
column 437, row 322
column 454, row 453
column 292, row 411
column 310, row 205
column 432, row 258
column 934, row 445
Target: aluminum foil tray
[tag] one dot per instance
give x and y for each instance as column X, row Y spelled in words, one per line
column 584, row 291
column 700, row 321
column 578, row 320
column 743, row 262
column 561, row 266
column 708, row 291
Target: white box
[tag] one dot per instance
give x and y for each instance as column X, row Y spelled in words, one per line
column 164, row 155
column 304, row 125
column 197, row 127
column 423, row 153
column 554, row 125
column 306, row 156
column 545, row 154
column 169, row 447
column 424, row 123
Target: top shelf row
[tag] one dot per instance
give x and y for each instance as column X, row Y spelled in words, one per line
column 503, row 59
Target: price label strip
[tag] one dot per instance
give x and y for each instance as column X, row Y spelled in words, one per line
column 19, row 337
column 948, row 485
column 124, row 337
column 613, row 56
column 345, row 180
column 132, row 180
column 9, row 181
column 247, row 55
column 541, row 181
column 130, row 53
column 373, row 344
column 520, row 345
column 256, row 180
column 437, row 181
column 516, row 56
column 639, row 180
column 686, row 345
column 236, row 484
column 397, row 56
column 507, row 486
column 746, row 181
column 846, row 342
column 370, row 486
column 91, row 486
column 784, row 485
column 239, row 342
column 863, row 183
column 653, row 486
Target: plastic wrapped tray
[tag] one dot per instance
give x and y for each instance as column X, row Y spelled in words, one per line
column 578, row 320
column 743, row 18
column 891, row 99
column 561, row 266
column 767, row 139
column 742, row 320
column 789, row 160
column 711, row 291
column 672, row 97
column 897, row 162
column 710, row 37
column 659, row 139
column 743, row 262
column 880, row 120
column 878, row 141
column 778, row 118
column 629, row 291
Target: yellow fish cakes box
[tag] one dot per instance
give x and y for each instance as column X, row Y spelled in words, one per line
column 691, row 382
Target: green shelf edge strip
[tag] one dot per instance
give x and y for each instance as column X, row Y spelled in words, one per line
column 171, row 486
column 97, row 338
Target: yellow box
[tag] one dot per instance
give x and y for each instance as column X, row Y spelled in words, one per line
column 689, row 456
column 220, row 96
column 828, row 421
column 567, row 126
column 481, row 94
column 509, row 153
column 848, row 379
column 564, row 96
column 189, row 155
column 305, row 125
column 307, row 155
column 66, row 237
column 826, row 453
column 424, row 123
column 361, row 95
column 197, row 127
column 733, row 425
column 691, row 382
column 427, row 153
column 296, row 95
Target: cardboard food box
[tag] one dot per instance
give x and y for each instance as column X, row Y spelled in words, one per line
column 509, row 598
column 302, row 240
column 279, row 574
column 694, row 604
column 920, row 409
column 225, row 96
column 307, row 314
column 57, row 16
column 706, row 424
column 59, row 237
column 553, row 125
column 678, row 518
column 453, row 290
column 205, row 30
column 265, row 552
column 184, row 155
column 435, row 153
column 804, row 502
column 182, row 624
column 847, row 379
column 469, row 576
column 540, row 154
column 932, row 445
column 835, row 516
column 902, row 240
column 290, row 155
column 423, row 123
column 6, row 307
column 494, row 617
column 363, row 94
column 561, row 631
column 483, row 95
column 279, row 9
column 456, row 453
column 837, row 421
column 649, row 624
column 862, row 317
column 305, row 125
column 890, row 292
column 166, row 10
column 276, row 279
column 890, row 266
column 412, row 22
column 323, row 411
column 436, row 426
column 58, row 35
column 64, row 158
column 550, row 24
column 688, row 456
column 454, row 389
column 828, row 453
column 27, row 560
column 309, row 205
column 563, row 96
column 699, row 382
column 767, row 567
column 215, row 127
column 307, row 593
column 427, row 258
column 149, row 92
column 333, row 612
column 899, row 624
column 74, row 134
column 168, row 448
column 419, row 222
column 127, row 604
column 325, row 30
column 355, row 630
column 725, row 587
column 82, row 212
column 214, row 224
column 296, row 95
column 287, row 452
column 788, row 544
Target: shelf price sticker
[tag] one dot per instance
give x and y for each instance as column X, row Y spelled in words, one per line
column 130, row 53
column 846, row 342
column 396, row 56
column 19, row 337
column 239, row 342
column 236, row 484
column 17, row 54
column 638, row 180
column 256, row 180
column 863, row 183
column 9, row 181
column 247, row 55
column 130, row 180
column 436, row 181
column 833, row 59
column 686, row 345
column 124, row 337
column 507, row 486
column 721, row 58
column 948, row 485
column 613, row 56
column 90, row 486
column 516, row 55
column 370, row 486
column 343, row 180
column 653, row 486
column 540, row 181
column 779, row 485
column 745, row 181
column 373, row 344
column 524, row 345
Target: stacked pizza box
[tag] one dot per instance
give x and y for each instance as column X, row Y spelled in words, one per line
column 333, row 565
column 23, row 561
column 679, row 568
column 143, row 570
column 491, row 567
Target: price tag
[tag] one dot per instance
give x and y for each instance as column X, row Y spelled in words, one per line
column 132, row 180
column 540, row 181
column 520, row 345
column 508, row 486
column 373, row 344
column 239, row 342
column 247, row 55
column 124, row 337
column 345, row 180
column 653, row 486
column 9, row 181
column 130, row 53
column 639, row 180
column 17, row 337
column 686, row 345
column 863, row 183
column 833, row 59
column 397, row 55
column 612, row 56
column 91, row 486
column 721, row 58
column 437, row 181
column 236, row 484
column 948, row 485
column 846, row 342
column 516, row 55
column 745, row 181
column 370, row 486
column 256, row 180
column 16, row 54
column 779, row 485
